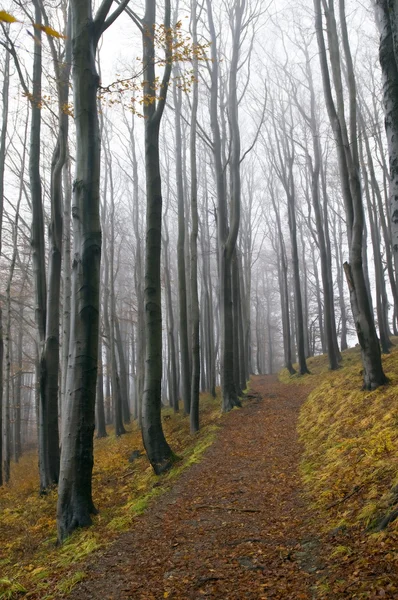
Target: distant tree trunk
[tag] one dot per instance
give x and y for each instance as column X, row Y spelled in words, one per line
column 173, row 387
column 138, row 278
column 237, row 319
column 243, row 362
column 124, row 388
column 182, row 285
column 208, row 295
column 303, row 369
column 381, row 296
column 314, row 166
column 100, row 409
column 283, row 289
column 283, row 163
column 304, row 286
column 338, row 241
column 319, row 301
column 18, row 386
column 386, row 230
column 38, row 252
column 226, row 238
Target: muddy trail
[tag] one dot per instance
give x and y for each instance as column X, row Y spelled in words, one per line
column 234, row 526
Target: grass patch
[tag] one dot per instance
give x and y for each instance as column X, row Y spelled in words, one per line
column 10, row 589
column 66, row 586
column 30, row 562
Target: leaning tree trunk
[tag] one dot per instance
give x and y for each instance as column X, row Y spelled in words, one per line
column 348, row 156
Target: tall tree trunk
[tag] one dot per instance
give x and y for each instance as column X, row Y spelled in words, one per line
column 347, row 149
column 182, row 284
column 156, row 446
column 75, row 502
column 3, row 141
column 387, row 19
column 195, row 342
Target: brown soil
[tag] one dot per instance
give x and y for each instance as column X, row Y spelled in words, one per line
column 233, row 526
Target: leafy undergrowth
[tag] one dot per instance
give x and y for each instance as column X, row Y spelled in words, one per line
column 350, row 470
column 30, row 563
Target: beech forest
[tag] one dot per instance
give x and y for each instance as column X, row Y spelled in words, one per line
column 198, row 299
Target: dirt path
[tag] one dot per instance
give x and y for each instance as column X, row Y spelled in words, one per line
column 232, row 527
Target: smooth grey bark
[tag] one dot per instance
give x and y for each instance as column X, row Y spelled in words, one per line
column 283, row 287
column 347, row 150
column 380, row 206
column 138, row 278
column 195, row 323
column 49, row 384
column 381, row 295
column 182, row 279
column 17, row 433
column 314, row 164
column 304, row 288
column 226, row 237
column 124, row 387
column 75, row 502
column 100, row 408
column 117, row 387
column 387, row 21
column 38, row 252
column 3, row 150
column 159, row 452
column 7, row 336
column 67, row 272
column 173, row 388
column 283, row 164
column 208, row 311
column 338, row 243
column 326, row 224
column 318, row 300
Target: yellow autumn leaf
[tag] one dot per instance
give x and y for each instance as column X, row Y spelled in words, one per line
column 49, row 31
column 6, row 17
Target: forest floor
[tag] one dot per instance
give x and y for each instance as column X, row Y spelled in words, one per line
column 234, row 526
column 279, row 500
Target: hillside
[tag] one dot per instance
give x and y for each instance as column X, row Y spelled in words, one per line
column 350, row 473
